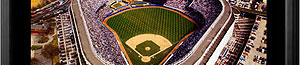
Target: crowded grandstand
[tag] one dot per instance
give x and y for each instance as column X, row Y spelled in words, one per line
column 210, row 9
column 104, row 43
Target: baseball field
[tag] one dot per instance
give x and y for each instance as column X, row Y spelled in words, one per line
column 149, row 34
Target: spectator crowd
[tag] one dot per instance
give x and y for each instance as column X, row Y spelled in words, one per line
column 104, row 43
column 180, row 4
column 210, row 9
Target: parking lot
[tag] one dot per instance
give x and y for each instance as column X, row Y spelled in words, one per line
column 256, row 5
column 255, row 51
column 67, row 46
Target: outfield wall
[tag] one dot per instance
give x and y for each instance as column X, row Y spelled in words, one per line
column 120, row 10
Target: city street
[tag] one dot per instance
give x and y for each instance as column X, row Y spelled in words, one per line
column 49, row 12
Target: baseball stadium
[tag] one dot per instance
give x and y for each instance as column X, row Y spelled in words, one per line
column 141, row 32
column 148, row 33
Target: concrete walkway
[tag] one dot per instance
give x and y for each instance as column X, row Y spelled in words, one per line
column 83, row 37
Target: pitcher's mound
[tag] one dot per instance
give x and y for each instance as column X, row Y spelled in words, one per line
column 147, row 48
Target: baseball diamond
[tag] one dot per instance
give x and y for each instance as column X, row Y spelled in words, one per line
column 148, row 34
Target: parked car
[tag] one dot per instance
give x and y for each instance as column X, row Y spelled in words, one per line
column 265, row 32
column 255, row 27
column 240, row 64
column 252, row 37
column 247, row 49
column 250, row 45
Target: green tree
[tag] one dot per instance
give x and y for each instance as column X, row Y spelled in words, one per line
column 39, row 6
column 34, row 61
column 47, row 2
column 58, row 63
column 49, row 51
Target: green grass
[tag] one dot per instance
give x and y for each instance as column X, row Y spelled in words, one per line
column 139, row 2
column 36, row 47
column 117, row 5
column 150, row 21
column 55, row 59
column 43, row 39
column 54, row 41
column 155, row 61
column 141, row 48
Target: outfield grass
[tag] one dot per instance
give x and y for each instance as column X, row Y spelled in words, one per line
column 151, row 20
column 158, row 21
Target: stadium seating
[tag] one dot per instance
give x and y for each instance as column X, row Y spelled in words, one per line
column 104, row 43
column 210, row 10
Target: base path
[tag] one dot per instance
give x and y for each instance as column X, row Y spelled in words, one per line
column 161, row 41
column 211, row 34
column 83, row 37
